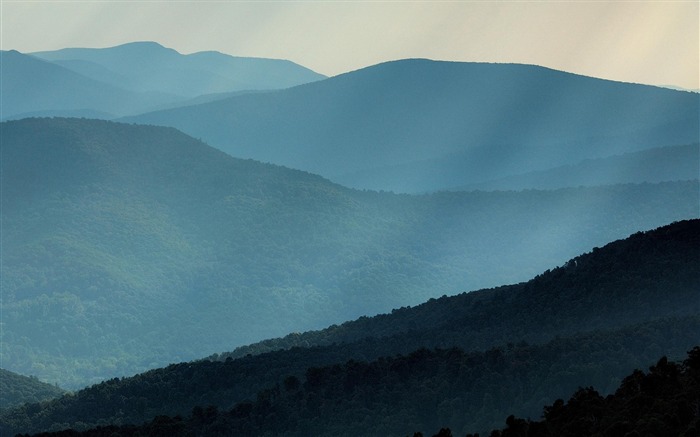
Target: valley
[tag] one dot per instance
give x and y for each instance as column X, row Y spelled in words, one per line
column 127, row 247
column 530, row 343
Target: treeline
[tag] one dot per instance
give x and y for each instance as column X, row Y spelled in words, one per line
column 662, row 402
column 449, row 388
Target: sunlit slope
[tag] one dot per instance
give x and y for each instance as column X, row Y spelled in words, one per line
column 148, row 66
column 497, row 119
column 126, row 247
column 591, row 321
column 647, row 276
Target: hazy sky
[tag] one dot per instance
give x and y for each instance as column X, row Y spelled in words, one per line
column 654, row 42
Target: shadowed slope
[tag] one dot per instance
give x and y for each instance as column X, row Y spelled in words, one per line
column 18, row 389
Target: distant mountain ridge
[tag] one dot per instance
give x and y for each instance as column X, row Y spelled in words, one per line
column 650, row 165
column 116, row 238
column 34, row 86
column 502, row 119
column 148, row 66
column 131, row 78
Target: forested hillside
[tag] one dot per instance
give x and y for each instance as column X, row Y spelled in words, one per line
column 19, row 389
column 610, row 287
column 115, row 225
column 423, row 390
column 416, row 125
column 128, row 247
column 504, row 351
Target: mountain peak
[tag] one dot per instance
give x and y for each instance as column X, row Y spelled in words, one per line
column 144, row 47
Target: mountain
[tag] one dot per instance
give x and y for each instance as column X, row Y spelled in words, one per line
column 17, row 389
column 127, row 247
column 150, row 67
column 131, row 78
column 31, row 86
column 498, row 119
column 651, row 165
column 589, row 322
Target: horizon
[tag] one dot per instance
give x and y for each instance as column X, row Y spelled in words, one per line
column 673, row 87
column 641, row 42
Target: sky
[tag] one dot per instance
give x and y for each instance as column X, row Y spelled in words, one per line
column 651, row 42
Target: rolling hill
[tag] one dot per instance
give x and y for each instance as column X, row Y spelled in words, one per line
column 417, row 125
column 589, row 322
column 128, row 247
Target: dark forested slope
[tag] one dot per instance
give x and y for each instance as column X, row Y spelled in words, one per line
column 445, row 124
column 662, row 402
column 18, row 389
column 397, row 395
column 127, row 247
column 612, row 310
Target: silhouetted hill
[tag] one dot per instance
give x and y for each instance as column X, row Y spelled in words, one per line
column 148, row 66
column 127, row 247
column 593, row 320
column 424, row 390
column 661, row 402
column 500, row 119
column 17, row 389
column 33, row 86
